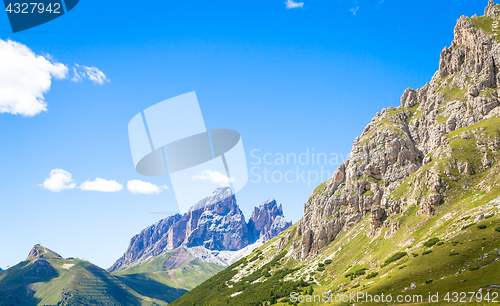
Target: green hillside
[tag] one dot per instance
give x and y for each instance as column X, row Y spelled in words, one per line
column 181, row 274
column 48, row 279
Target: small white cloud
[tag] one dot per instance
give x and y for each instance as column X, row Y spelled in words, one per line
column 354, row 10
column 215, row 177
column 92, row 73
column 58, row 180
column 140, row 187
column 101, row 185
column 24, row 78
column 290, row 4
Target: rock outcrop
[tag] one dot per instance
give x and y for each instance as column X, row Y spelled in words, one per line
column 385, row 172
column 39, row 251
column 216, row 223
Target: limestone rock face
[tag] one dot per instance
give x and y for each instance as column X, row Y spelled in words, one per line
column 409, row 98
column 378, row 217
column 151, row 241
column 492, row 9
column 267, row 221
column 219, row 225
column 215, row 223
column 399, row 142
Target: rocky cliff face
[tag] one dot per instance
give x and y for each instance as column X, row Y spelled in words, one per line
column 267, row 221
column 390, row 163
column 216, row 223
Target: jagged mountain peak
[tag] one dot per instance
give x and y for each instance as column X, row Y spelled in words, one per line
column 492, row 9
column 39, row 251
column 215, row 223
column 217, row 197
column 267, row 220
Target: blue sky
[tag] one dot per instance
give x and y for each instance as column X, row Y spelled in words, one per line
column 288, row 80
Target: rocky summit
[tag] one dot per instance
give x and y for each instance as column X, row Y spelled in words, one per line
column 39, row 251
column 216, row 223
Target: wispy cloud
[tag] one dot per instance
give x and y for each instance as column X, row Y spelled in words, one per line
column 215, row 177
column 58, row 181
column 101, row 185
column 140, row 187
column 91, row 73
column 290, row 4
column 24, row 78
column 354, row 10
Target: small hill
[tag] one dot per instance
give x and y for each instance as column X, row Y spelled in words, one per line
column 46, row 278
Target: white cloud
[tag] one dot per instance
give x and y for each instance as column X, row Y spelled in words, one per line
column 138, row 186
column 214, row 177
column 354, row 10
column 24, row 78
column 102, row 185
column 290, row 4
column 92, row 73
column 58, row 180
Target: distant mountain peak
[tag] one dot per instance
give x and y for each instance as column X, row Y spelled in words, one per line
column 39, row 251
column 215, row 223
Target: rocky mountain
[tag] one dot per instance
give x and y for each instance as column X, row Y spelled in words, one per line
column 214, row 225
column 400, row 141
column 414, row 208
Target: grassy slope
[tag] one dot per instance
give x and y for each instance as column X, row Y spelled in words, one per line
column 183, row 278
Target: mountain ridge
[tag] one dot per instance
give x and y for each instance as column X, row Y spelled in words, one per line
column 215, row 223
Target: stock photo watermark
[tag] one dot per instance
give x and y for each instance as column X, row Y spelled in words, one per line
column 308, row 167
column 364, row 297
column 170, row 138
column 24, row 15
